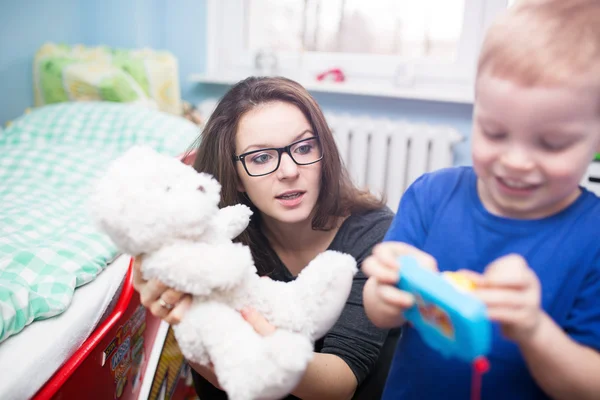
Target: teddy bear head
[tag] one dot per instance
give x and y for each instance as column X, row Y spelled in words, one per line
column 146, row 200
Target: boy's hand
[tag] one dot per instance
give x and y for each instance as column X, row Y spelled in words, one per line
column 385, row 303
column 512, row 293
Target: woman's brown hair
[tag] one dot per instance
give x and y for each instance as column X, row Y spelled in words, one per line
column 337, row 197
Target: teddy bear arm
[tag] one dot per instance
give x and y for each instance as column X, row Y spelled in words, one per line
column 232, row 220
column 199, row 268
column 280, row 304
column 313, row 302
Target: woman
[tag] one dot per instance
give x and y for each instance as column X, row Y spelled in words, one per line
column 269, row 146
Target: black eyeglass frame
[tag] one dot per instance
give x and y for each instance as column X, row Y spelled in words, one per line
column 279, row 150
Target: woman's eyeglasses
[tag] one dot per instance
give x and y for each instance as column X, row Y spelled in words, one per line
column 266, row 161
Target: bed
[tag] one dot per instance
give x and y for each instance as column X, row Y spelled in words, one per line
column 33, row 361
column 64, row 291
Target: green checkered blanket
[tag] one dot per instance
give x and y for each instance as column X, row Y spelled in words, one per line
column 48, row 161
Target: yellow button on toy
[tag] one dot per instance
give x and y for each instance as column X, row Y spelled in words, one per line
column 460, row 281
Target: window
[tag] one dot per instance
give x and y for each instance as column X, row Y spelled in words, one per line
column 407, row 29
column 380, row 45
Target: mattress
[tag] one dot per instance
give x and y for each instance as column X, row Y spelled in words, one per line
column 50, row 158
column 29, row 359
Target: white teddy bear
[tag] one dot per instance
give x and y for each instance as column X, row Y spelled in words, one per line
column 155, row 205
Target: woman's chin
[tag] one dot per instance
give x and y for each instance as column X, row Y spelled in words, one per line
column 291, row 217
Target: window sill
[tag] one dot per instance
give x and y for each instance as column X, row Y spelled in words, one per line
column 442, row 92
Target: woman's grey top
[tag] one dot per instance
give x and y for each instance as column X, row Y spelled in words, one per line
column 353, row 338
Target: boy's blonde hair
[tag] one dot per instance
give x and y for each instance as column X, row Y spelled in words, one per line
column 545, row 42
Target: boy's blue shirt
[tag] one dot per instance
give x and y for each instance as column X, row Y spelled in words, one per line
column 442, row 215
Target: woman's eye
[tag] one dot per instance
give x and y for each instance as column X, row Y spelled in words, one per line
column 261, row 158
column 304, row 149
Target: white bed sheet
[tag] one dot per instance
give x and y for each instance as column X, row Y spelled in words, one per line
column 30, row 358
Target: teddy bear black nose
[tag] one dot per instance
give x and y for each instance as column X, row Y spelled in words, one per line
column 201, row 188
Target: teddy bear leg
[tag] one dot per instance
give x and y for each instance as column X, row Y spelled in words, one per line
column 288, row 354
column 249, row 366
column 190, row 342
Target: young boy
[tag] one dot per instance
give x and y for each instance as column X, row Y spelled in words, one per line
column 517, row 220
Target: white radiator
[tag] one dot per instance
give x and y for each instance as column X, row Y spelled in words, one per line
column 591, row 180
column 387, row 156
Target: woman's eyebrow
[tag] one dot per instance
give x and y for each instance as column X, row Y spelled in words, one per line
column 299, row 136
column 257, row 147
column 260, row 146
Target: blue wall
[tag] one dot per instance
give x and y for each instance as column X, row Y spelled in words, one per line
column 25, row 26
column 177, row 26
column 131, row 23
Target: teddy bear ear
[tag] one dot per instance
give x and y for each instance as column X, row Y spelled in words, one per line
column 140, row 152
column 140, row 158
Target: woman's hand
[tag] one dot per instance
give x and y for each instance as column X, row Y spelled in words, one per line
column 162, row 301
column 258, row 322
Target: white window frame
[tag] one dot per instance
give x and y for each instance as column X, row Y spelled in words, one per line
column 227, row 61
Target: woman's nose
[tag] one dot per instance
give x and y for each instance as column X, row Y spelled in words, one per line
column 287, row 167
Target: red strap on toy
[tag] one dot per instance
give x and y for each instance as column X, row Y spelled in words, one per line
column 480, row 366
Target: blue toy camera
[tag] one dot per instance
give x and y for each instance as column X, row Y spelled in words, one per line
column 450, row 320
